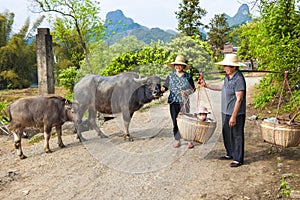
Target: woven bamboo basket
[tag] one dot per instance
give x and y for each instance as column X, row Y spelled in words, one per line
column 280, row 134
column 192, row 129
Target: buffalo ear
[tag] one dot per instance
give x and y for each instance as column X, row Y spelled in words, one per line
column 140, row 80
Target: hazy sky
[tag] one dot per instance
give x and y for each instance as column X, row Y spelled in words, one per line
column 149, row 13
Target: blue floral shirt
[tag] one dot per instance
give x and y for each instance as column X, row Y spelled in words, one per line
column 180, row 87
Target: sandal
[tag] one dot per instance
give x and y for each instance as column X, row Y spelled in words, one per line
column 176, row 144
column 190, row 145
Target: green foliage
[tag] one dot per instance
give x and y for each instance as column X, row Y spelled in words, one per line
column 218, row 34
column 36, row 138
column 80, row 20
column 284, row 187
column 6, row 22
column 101, row 54
column 273, row 40
column 17, row 56
column 3, row 106
column 67, row 47
column 196, row 52
column 152, row 60
column 10, row 79
column 124, row 63
column 189, row 17
column 267, row 92
column 68, row 77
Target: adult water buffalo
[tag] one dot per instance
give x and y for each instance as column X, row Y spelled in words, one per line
column 124, row 93
column 38, row 111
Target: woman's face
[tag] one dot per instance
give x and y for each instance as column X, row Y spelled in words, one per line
column 179, row 68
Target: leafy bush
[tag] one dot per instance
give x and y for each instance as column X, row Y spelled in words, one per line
column 3, row 106
column 68, row 77
column 152, row 59
column 272, row 40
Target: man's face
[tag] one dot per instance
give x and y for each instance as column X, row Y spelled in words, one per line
column 229, row 69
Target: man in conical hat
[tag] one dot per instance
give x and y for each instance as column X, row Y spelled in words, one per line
column 233, row 107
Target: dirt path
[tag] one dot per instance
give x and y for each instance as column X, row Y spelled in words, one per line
column 149, row 167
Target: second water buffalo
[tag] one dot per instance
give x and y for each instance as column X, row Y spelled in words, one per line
column 124, row 93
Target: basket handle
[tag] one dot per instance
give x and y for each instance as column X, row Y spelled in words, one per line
column 293, row 118
column 198, row 101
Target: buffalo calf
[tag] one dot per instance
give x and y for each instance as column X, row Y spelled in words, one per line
column 38, row 111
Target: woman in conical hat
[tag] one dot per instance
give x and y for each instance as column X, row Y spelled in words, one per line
column 181, row 85
column 233, row 107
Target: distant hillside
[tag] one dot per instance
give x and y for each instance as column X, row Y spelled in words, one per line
column 240, row 17
column 119, row 26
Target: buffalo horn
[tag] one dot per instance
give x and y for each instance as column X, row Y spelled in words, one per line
column 140, row 80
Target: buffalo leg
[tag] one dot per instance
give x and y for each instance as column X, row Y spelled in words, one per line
column 17, row 140
column 59, row 139
column 78, row 123
column 47, row 135
column 92, row 122
column 127, row 118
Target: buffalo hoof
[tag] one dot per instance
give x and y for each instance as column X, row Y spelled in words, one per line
column 130, row 139
column 82, row 139
column 61, row 145
column 48, row 151
column 103, row 136
column 22, row 156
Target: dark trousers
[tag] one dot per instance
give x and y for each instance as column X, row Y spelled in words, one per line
column 233, row 137
column 175, row 108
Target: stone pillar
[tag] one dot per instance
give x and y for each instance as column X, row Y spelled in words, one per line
column 45, row 60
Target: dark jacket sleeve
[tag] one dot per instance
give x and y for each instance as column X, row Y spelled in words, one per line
column 192, row 84
column 191, row 81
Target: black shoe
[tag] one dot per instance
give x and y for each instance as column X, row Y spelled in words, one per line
column 225, row 158
column 235, row 164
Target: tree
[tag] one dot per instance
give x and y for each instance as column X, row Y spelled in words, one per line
column 17, row 53
column 218, row 34
column 246, row 34
column 67, row 48
column 189, row 17
column 196, row 52
column 153, row 59
column 6, row 21
column 102, row 54
column 81, row 16
column 68, row 78
column 273, row 40
column 149, row 60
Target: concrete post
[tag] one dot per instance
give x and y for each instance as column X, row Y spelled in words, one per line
column 45, row 60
